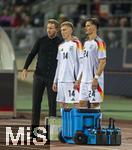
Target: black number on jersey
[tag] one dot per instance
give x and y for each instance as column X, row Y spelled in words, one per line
column 71, row 93
column 85, row 53
column 91, row 93
column 65, row 55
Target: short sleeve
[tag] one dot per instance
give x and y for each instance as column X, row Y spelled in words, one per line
column 101, row 49
column 79, row 48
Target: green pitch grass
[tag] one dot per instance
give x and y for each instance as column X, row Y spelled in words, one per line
column 113, row 106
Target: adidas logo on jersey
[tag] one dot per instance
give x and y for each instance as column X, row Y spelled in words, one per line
column 71, row 48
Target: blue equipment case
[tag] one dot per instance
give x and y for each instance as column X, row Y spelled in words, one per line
column 82, row 126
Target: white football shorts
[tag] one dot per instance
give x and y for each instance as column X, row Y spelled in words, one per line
column 93, row 96
column 66, row 93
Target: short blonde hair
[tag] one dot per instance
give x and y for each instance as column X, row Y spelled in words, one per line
column 67, row 23
column 55, row 22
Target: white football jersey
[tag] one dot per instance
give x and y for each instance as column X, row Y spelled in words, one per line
column 93, row 51
column 68, row 61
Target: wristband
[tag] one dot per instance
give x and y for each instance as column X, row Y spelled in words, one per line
column 96, row 77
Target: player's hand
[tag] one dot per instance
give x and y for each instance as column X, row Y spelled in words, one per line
column 95, row 84
column 24, row 74
column 76, row 85
column 54, row 87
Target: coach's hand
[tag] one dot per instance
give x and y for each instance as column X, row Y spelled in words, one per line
column 54, row 87
column 24, row 74
column 95, row 84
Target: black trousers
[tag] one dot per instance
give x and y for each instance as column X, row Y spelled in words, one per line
column 39, row 85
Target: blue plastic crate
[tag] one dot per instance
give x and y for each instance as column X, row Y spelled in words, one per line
column 82, row 126
column 78, row 121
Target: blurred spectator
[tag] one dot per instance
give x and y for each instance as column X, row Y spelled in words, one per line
column 1, row 5
column 112, row 22
column 6, row 3
column 81, row 27
column 21, row 2
column 25, row 34
column 5, row 19
column 62, row 18
column 123, row 22
column 78, row 14
column 103, row 21
column 113, row 41
column 24, row 2
column 38, row 19
column 95, row 8
column 17, row 18
column 75, row 18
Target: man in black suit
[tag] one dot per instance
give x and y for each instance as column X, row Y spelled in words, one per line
column 46, row 48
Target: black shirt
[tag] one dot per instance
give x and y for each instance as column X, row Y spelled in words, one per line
column 46, row 49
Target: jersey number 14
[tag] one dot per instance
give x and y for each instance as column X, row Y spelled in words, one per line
column 71, row 93
column 65, row 55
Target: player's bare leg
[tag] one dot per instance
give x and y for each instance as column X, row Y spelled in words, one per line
column 63, row 105
column 83, row 104
column 95, row 105
column 86, row 104
column 76, row 105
